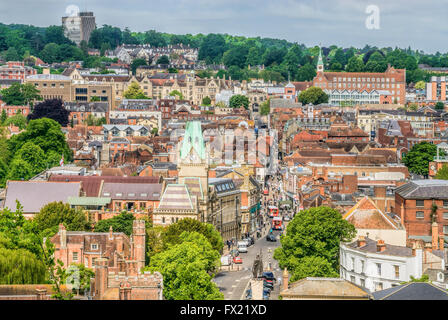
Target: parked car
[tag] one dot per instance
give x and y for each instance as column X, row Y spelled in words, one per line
column 271, row 238
column 242, row 246
column 234, row 253
column 286, row 218
column 237, row 260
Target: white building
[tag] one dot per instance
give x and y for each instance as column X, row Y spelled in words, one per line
column 375, row 265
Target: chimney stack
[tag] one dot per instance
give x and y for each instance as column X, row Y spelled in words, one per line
column 63, row 236
column 435, row 235
column 111, row 233
column 285, row 279
column 441, row 241
column 361, row 241
column 380, row 246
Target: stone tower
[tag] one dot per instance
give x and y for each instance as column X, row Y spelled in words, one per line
column 320, row 63
column 138, row 243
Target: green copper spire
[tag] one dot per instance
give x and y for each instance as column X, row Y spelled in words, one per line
column 193, row 139
column 320, row 62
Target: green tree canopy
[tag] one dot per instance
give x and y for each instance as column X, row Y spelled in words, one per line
column 442, row 173
column 238, row 100
column 310, row 246
column 265, row 107
column 120, row 223
column 314, row 95
column 206, row 101
column 354, row 64
column 184, row 269
column 137, row 63
column 55, row 213
column 20, row 94
column 20, row 266
column 418, row 158
column 172, row 234
column 177, row 93
column 134, row 92
column 439, row 106
column 163, row 60
column 33, row 155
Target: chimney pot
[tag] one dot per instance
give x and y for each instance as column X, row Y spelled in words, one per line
column 361, row 241
column 380, row 246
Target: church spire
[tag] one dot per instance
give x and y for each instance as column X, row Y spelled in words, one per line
column 320, row 63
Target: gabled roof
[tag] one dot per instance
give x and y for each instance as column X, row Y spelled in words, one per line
column 176, row 197
column 424, row 189
column 412, row 291
column 366, row 215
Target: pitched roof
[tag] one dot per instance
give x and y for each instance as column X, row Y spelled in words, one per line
column 132, row 191
column 325, row 288
column 176, row 197
column 424, row 189
column 412, row 291
column 33, row 195
column 366, row 215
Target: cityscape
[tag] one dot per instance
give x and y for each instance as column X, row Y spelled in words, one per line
column 152, row 165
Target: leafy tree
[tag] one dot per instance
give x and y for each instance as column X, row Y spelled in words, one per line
column 253, row 57
column 206, row 101
column 418, row 158
column 19, row 170
column 177, row 93
column 310, row 246
column 265, row 107
column 137, row 63
column 314, row 95
column 95, row 99
column 51, row 109
column 336, row 66
column 306, row 73
column 172, row 234
column 235, row 56
column 119, row 223
column 20, row 266
column 354, row 64
column 238, row 100
column 421, row 85
column 84, row 275
column 33, row 155
column 134, row 92
column 45, row 133
column 20, row 94
column 155, row 39
column 163, row 60
column 440, row 106
column 3, row 117
column 184, row 269
column 55, row 213
column 11, row 54
column 17, row 120
column 442, row 173
column 212, row 47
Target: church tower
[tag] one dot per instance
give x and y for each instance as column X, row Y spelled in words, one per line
column 320, row 63
column 193, row 164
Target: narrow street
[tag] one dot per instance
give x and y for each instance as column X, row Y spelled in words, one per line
column 233, row 284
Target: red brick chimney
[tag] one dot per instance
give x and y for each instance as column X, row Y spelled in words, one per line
column 435, row 235
column 441, row 241
column 380, row 246
column 361, row 241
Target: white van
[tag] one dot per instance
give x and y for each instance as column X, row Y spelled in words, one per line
column 242, row 246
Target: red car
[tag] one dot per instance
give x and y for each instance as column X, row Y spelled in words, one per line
column 237, row 260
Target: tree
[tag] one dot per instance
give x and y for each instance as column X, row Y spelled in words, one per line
column 33, row 155
column 19, row 170
column 45, row 133
column 20, row 266
column 313, row 95
column 172, row 234
column 20, row 94
column 137, row 63
column 3, row 117
column 163, row 60
column 212, row 47
column 440, row 106
column 206, row 101
column 421, row 85
column 51, row 109
column 55, row 213
column 306, row 73
column 265, row 108
column 119, row 223
column 177, row 93
column 185, row 267
column 418, row 158
column 442, row 173
column 17, row 120
column 354, row 64
column 134, row 92
column 238, row 100
column 155, row 39
column 310, row 246
column 83, row 276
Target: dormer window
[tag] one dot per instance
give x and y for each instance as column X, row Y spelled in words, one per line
column 94, row 246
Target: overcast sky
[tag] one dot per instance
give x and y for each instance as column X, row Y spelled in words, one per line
column 421, row 24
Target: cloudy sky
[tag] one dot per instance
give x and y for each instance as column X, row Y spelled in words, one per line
column 421, row 24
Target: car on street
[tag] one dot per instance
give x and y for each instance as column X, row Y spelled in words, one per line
column 226, row 260
column 242, row 246
column 271, row 238
column 286, row 218
column 237, row 260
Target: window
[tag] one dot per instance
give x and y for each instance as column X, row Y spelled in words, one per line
column 352, row 279
column 445, row 229
column 420, row 215
column 106, row 194
column 75, row 256
column 397, row 271
column 93, row 247
column 445, row 215
column 378, row 286
column 362, row 266
column 131, row 194
column 363, row 283
column 143, row 194
column 353, row 264
column 378, row 268
column 420, row 203
column 163, row 219
column 445, row 203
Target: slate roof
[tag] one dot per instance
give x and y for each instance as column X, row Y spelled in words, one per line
column 391, row 250
column 33, row 195
column 176, row 197
column 132, row 191
column 424, row 189
column 412, row 291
